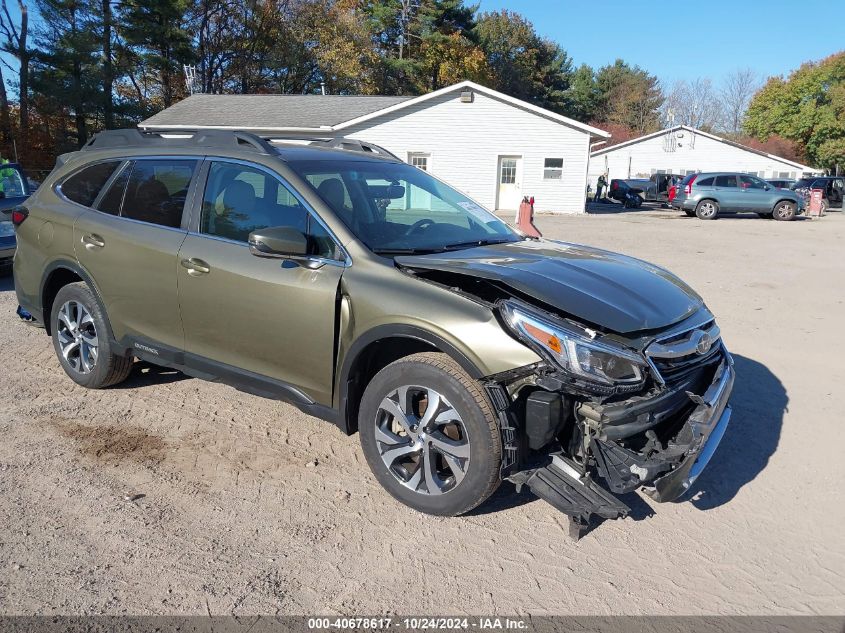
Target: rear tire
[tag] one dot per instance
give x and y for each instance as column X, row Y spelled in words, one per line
column 444, row 462
column 707, row 210
column 81, row 339
column 784, row 211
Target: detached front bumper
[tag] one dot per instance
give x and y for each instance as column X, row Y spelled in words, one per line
column 658, row 443
column 707, row 424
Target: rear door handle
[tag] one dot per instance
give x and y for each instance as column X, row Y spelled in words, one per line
column 195, row 266
column 92, row 241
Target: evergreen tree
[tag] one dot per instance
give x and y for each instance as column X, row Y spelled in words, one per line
column 158, row 42
column 66, row 66
column 523, row 64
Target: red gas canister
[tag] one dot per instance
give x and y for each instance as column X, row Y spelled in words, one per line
column 525, row 218
column 816, row 200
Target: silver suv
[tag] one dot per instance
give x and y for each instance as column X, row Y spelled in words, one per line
column 707, row 195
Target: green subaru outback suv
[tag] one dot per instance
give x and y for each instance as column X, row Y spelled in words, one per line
column 368, row 293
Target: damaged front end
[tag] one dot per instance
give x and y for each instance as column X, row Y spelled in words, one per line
column 646, row 413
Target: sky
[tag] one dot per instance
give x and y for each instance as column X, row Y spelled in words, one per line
column 676, row 40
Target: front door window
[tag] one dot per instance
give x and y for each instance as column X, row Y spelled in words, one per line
column 240, row 199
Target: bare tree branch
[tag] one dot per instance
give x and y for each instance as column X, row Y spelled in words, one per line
column 738, row 89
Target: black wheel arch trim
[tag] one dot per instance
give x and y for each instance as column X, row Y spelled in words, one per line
column 393, row 331
column 82, row 273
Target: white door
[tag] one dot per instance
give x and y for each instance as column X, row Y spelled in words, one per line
column 510, row 183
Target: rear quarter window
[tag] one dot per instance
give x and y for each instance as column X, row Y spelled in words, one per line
column 84, row 185
column 704, row 182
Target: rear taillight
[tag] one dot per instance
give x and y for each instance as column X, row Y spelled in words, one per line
column 19, row 214
column 688, row 188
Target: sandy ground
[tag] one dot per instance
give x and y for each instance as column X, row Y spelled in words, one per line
column 169, row 495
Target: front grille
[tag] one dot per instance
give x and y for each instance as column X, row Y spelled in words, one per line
column 681, row 354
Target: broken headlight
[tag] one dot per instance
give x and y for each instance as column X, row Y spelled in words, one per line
column 575, row 350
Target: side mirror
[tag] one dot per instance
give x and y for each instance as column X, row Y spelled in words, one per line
column 283, row 242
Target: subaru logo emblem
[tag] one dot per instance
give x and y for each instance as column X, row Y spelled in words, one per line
column 703, row 344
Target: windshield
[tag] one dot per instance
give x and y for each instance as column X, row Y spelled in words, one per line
column 396, row 208
column 804, row 182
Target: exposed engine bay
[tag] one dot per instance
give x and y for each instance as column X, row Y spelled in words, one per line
column 604, row 413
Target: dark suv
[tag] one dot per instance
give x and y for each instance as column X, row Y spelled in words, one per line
column 832, row 186
column 370, row 294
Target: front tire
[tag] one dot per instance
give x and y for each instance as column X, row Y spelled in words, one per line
column 784, row 211
column 707, row 210
column 430, row 436
column 81, row 339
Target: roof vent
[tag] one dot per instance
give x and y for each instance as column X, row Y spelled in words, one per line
column 466, row 96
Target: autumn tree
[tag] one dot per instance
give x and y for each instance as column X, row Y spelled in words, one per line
column 629, row 96
column 808, row 108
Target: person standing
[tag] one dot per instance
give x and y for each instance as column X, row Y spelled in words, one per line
column 600, row 185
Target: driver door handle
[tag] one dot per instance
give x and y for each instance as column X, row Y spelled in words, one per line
column 92, row 241
column 195, row 266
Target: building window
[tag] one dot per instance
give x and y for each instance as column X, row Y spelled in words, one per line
column 553, row 169
column 508, row 175
column 418, row 160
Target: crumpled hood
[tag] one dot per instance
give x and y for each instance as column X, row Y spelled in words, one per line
column 602, row 288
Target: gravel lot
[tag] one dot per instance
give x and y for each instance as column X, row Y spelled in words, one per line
column 169, row 495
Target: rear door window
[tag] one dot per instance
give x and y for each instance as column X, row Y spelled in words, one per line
column 157, row 190
column 725, row 181
column 84, row 185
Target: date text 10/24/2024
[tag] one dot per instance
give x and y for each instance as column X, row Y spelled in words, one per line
column 418, row 623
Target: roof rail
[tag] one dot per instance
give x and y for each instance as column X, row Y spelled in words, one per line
column 341, row 142
column 194, row 138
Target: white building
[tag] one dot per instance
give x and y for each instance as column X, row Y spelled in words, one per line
column 494, row 148
column 683, row 150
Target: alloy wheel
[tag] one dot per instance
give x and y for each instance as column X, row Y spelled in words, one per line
column 784, row 210
column 422, row 440
column 77, row 337
column 708, row 209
